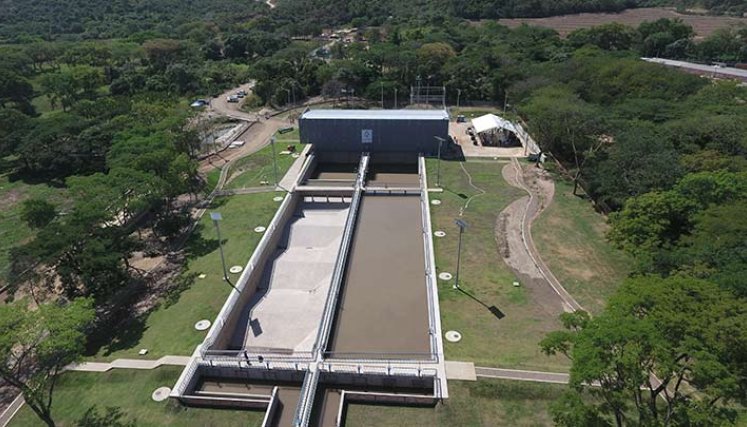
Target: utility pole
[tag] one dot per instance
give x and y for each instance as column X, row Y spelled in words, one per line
column 274, row 161
column 459, row 95
column 395, row 97
column 438, row 164
column 382, row 95
column 418, row 97
column 216, row 216
column 288, row 92
column 462, row 226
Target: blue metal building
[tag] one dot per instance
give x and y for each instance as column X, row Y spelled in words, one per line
column 374, row 131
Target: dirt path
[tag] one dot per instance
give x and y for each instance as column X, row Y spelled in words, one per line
column 256, row 137
column 514, row 238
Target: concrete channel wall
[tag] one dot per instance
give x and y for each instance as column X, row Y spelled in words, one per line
column 250, row 279
column 398, row 373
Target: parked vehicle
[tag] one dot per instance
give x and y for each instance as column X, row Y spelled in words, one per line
column 233, row 98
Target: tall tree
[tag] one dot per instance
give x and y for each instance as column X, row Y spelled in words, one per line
column 36, row 344
column 665, row 352
column 566, row 126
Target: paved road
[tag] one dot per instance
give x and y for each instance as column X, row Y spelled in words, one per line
column 256, row 137
column 222, row 107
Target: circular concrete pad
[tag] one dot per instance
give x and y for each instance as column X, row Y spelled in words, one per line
column 202, row 325
column 435, row 202
column 453, row 336
column 161, row 394
column 439, row 233
column 278, row 198
column 235, row 269
column 260, row 229
column 444, row 276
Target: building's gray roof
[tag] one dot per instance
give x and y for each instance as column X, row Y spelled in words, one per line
column 376, row 114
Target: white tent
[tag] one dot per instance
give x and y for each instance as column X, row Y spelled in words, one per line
column 490, row 122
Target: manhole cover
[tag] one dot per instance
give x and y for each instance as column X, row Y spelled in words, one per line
column 161, row 394
column 439, row 233
column 453, row 336
column 445, row 276
column 278, row 198
column 260, row 229
column 236, row 269
column 202, row 325
column 435, row 202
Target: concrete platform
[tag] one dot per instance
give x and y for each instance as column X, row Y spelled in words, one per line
column 285, row 313
column 464, row 371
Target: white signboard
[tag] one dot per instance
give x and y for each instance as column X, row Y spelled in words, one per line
column 367, row 136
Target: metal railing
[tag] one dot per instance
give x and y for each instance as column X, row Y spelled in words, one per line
column 271, row 408
column 306, row 399
column 186, row 378
column 380, row 358
column 337, row 276
column 362, row 369
column 428, row 248
column 296, row 361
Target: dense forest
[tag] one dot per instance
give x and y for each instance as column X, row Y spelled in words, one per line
column 78, row 19
column 93, row 100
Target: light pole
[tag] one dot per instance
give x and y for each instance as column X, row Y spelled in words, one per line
column 459, row 94
column 462, row 226
column 288, row 98
column 274, row 161
column 216, row 216
column 395, row 98
column 438, row 164
column 382, row 95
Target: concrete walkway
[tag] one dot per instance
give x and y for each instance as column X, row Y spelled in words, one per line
column 288, row 181
column 520, row 375
column 11, row 410
column 466, row 371
column 129, row 364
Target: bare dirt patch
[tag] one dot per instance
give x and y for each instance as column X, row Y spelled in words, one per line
column 510, row 240
column 10, row 198
column 702, row 24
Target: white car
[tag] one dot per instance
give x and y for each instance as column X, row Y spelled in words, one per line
column 232, row 98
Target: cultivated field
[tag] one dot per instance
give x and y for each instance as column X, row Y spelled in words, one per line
column 702, row 24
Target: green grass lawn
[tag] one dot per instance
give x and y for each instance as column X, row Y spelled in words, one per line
column 292, row 136
column 13, row 231
column 130, row 391
column 251, row 170
column 169, row 329
column 483, row 403
column 570, row 236
column 510, row 342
